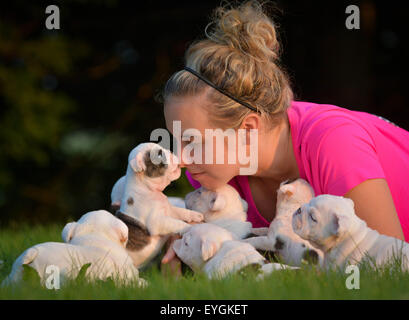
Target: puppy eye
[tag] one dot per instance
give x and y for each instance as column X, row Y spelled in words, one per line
column 299, row 210
column 312, row 217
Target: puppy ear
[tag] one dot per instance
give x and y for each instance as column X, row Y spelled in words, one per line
column 244, row 204
column 121, row 230
column 350, row 202
column 217, row 202
column 115, row 206
column 209, row 249
column 334, row 225
column 137, row 164
column 68, row 231
column 287, row 189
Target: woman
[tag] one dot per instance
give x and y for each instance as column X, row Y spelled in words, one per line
column 234, row 80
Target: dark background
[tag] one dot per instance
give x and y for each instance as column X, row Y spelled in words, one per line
column 75, row 101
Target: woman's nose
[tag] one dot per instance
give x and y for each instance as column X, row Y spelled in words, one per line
column 178, row 160
column 181, row 163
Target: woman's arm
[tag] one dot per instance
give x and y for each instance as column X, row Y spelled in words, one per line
column 374, row 204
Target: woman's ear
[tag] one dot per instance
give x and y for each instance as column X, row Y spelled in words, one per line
column 251, row 121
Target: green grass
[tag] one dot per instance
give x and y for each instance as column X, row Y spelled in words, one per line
column 307, row 283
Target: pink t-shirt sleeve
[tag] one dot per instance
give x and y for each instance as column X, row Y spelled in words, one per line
column 342, row 156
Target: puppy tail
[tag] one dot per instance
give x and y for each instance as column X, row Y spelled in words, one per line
column 29, row 256
column 16, row 274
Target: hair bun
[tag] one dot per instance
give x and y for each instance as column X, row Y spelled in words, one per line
column 245, row 28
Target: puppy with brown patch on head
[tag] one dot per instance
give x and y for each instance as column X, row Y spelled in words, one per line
column 144, row 208
column 330, row 223
column 223, row 207
column 97, row 238
column 211, row 249
column 280, row 237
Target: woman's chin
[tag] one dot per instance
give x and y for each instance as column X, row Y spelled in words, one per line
column 209, row 183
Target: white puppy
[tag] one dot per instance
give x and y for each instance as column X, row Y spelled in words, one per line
column 209, row 248
column 330, row 223
column 97, row 238
column 117, row 194
column 280, row 237
column 223, row 207
column 144, row 208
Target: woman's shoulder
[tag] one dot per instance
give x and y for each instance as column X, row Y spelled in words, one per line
column 314, row 120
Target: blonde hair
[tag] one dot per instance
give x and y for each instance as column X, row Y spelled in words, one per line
column 241, row 55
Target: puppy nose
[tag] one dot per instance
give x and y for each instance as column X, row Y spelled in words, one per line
column 310, row 256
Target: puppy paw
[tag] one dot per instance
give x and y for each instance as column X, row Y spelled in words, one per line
column 195, row 217
column 142, row 283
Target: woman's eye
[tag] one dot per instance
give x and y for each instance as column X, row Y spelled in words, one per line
column 312, row 217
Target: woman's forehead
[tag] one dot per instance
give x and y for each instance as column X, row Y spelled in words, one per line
column 190, row 111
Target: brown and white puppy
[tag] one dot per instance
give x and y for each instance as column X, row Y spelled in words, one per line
column 280, row 237
column 144, row 208
column 211, row 249
column 97, row 238
column 223, row 207
column 330, row 223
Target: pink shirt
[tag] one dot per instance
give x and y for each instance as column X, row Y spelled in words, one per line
column 337, row 149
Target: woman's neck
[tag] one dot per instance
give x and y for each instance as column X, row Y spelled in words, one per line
column 277, row 162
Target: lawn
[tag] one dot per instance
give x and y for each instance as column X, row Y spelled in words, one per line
column 307, row 283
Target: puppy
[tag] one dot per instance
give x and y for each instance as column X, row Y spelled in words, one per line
column 211, row 249
column 280, row 237
column 97, row 238
column 330, row 223
column 223, row 207
column 150, row 217
column 118, row 192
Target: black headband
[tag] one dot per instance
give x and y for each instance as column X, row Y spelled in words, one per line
column 220, row 89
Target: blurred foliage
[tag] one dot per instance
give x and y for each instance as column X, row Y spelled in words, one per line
column 33, row 117
column 65, row 131
column 75, row 101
